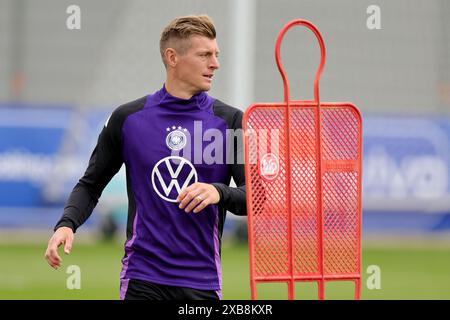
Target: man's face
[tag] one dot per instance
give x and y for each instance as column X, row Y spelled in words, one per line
column 195, row 68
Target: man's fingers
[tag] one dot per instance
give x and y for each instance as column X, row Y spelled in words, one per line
column 202, row 205
column 68, row 245
column 54, row 256
column 53, row 259
column 51, row 254
column 186, row 191
column 186, row 200
column 190, row 196
column 181, row 195
column 195, row 202
column 63, row 235
column 54, row 263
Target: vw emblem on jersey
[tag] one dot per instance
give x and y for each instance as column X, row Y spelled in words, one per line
column 269, row 166
column 172, row 174
column 176, row 140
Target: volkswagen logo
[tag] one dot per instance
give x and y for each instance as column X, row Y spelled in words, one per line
column 172, row 174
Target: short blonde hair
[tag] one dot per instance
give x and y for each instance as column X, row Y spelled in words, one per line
column 181, row 29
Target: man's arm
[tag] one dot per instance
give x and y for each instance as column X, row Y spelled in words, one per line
column 234, row 199
column 105, row 162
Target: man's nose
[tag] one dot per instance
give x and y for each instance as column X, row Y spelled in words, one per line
column 214, row 63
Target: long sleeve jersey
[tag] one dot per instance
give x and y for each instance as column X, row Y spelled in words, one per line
column 167, row 144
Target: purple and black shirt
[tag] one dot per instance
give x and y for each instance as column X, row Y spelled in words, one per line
column 166, row 144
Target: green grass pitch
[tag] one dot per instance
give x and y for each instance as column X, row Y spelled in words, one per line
column 406, row 273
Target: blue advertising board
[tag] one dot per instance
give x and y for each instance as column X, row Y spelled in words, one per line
column 44, row 151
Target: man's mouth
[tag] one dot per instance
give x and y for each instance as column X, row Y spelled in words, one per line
column 208, row 76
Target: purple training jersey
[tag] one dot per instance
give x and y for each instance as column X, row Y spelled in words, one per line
column 167, row 144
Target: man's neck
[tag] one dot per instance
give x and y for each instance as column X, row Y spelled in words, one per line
column 177, row 90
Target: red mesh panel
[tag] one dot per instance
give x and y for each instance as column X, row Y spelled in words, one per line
column 269, row 200
column 303, row 175
column 269, row 196
column 341, row 150
column 304, row 200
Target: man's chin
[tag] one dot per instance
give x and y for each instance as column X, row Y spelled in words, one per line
column 206, row 88
column 203, row 87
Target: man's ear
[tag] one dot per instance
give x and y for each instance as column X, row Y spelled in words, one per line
column 171, row 57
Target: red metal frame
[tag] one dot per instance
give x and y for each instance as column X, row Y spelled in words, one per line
column 305, row 225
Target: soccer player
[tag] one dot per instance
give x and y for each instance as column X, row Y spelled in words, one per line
column 175, row 144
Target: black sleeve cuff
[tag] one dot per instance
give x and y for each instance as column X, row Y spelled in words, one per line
column 65, row 223
column 219, row 187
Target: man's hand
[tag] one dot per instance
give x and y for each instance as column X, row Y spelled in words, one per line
column 63, row 235
column 197, row 196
